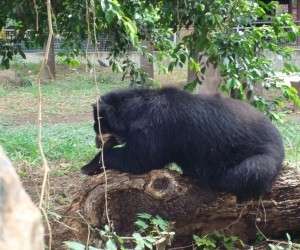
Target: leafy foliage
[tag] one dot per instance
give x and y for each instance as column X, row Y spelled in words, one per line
column 151, row 229
column 288, row 245
column 225, row 33
column 205, row 243
column 217, row 240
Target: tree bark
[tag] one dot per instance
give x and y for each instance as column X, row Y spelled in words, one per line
column 192, row 208
column 212, row 78
column 50, row 65
column 144, row 62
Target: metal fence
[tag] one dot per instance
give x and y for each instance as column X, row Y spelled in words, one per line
column 282, row 41
column 9, row 35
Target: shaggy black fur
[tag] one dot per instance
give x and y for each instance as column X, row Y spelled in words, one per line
column 224, row 143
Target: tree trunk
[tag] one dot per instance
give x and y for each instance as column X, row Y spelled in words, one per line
column 145, row 64
column 178, row 199
column 50, row 65
column 212, row 78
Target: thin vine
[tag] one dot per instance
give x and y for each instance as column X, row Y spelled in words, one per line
column 44, row 197
column 98, row 118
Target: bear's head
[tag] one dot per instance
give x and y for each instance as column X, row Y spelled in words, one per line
column 104, row 121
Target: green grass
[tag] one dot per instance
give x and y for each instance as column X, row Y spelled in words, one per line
column 2, row 91
column 21, row 65
column 67, row 143
column 70, row 96
column 290, row 132
column 64, row 100
column 72, row 143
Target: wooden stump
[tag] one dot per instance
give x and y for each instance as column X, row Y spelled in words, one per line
column 178, row 199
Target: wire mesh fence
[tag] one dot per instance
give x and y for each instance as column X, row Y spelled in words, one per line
column 9, row 36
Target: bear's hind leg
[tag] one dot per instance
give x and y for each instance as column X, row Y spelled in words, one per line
column 250, row 178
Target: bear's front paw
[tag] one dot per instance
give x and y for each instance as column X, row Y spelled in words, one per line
column 91, row 170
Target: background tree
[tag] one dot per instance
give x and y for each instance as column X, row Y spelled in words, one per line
column 223, row 32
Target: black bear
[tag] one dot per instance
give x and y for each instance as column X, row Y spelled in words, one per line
column 226, row 144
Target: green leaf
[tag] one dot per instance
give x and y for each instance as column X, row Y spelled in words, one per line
column 200, row 7
column 206, row 242
column 182, row 58
column 141, row 224
column 131, row 29
column 116, row 9
column 93, row 248
column 144, row 215
column 148, row 241
column 249, row 94
column 191, row 86
column 279, row 102
column 225, row 62
column 288, row 237
column 291, row 36
column 231, row 83
column 110, row 245
column 194, row 65
column 56, row 215
column 171, row 66
column 160, row 222
column 109, row 16
column 139, row 241
column 74, row 245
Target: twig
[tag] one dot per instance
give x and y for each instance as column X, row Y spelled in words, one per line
column 65, row 225
column 49, row 227
column 45, row 163
column 240, row 215
column 87, row 19
column 184, row 247
column 90, row 228
column 98, row 118
column 44, row 188
column 256, row 219
column 37, row 15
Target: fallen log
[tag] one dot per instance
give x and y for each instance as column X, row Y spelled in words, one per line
column 178, row 199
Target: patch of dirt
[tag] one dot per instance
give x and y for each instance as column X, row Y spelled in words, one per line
column 28, row 114
column 62, row 189
column 31, row 118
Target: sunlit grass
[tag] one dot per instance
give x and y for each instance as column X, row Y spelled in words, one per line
column 70, row 143
column 62, row 143
column 290, row 132
column 71, row 96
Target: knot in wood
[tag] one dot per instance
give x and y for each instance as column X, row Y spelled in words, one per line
column 163, row 186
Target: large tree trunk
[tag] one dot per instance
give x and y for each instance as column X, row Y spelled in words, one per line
column 194, row 209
